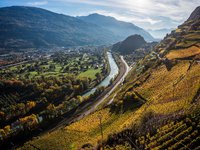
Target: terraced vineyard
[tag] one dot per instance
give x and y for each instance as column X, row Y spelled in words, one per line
column 157, row 106
column 169, row 79
column 180, row 134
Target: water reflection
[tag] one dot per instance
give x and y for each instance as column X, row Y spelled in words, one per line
column 113, row 72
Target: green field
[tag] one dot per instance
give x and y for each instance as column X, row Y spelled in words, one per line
column 60, row 65
column 90, row 73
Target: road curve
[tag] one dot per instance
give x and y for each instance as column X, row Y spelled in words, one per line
column 85, row 109
column 99, row 101
column 90, row 107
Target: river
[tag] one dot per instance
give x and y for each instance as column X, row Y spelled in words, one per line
column 113, row 72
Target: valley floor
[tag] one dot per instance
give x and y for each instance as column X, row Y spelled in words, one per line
column 161, row 100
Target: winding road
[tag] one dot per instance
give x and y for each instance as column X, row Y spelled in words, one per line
column 118, row 81
column 90, row 107
column 86, row 108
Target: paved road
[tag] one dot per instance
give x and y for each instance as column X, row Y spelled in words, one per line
column 91, row 106
column 120, row 81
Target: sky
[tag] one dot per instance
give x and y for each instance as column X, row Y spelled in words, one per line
column 148, row 14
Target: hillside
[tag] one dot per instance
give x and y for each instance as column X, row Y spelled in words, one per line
column 186, row 38
column 30, row 27
column 133, row 48
column 119, row 28
column 169, row 80
column 130, row 44
column 27, row 27
column 156, row 108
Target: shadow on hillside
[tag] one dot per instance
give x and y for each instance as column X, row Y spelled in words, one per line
column 127, row 104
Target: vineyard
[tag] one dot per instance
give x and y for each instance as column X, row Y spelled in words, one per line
column 170, row 83
column 136, row 106
column 156, row 107
column 85, row 131
column 180, row 134
column 177, row 90
column 184, row 53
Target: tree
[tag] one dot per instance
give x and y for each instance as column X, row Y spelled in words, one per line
column 79, row 98
column 7, row 129
column 98, row 76
column 2, row 133
column 52, row 67
column 111, row 81
column 66, row 69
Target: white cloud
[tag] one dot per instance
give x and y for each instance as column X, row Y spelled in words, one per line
column 126, row 17
column 144, row 13
column 37, row 3
column 175, row 9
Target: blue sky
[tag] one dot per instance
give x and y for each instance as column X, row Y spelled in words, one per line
column 148, row 14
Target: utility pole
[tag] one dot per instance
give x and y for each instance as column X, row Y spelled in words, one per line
column 100, row 124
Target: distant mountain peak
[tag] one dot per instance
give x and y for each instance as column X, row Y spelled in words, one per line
column 32, row 27
column 195, row 14
column 120, row 28
column 134, row 37
column 97, row 14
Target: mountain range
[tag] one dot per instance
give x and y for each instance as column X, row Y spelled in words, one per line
column 30, row 27
column 120, row 29
column 156, row 107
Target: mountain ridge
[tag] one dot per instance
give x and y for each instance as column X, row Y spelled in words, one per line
column 32, row 27
column 195, row 15
column 120, row 28
column 36, row 27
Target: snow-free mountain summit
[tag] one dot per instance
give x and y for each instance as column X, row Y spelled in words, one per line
column 31, row 27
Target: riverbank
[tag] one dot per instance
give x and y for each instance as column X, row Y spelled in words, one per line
column 79, row 113
column 83, row 109
column 65, row 119
column 113, row 71
column 88, row 107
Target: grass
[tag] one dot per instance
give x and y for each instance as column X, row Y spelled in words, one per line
column 33, row 73
column 183, row 53
column 90, row 73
